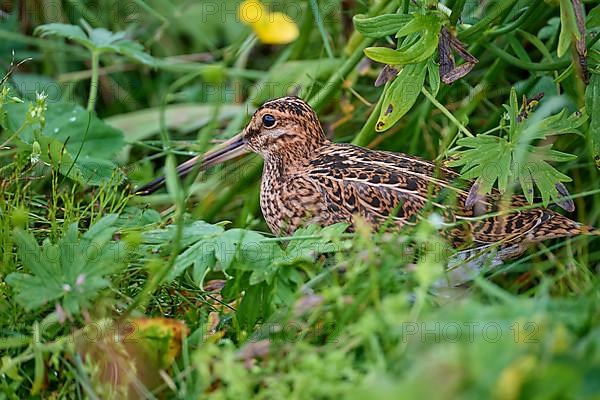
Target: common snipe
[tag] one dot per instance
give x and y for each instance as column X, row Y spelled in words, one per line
column 309, row 179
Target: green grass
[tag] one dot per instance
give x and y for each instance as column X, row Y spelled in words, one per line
column 186, row 294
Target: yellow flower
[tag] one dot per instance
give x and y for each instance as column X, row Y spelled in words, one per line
column 270, row 27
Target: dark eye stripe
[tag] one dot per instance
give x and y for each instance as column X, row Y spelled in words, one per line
column 268, row 120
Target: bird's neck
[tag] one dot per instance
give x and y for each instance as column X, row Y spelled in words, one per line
column 293, row 157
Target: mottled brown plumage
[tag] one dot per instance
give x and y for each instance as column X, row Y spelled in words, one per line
column 308, row 179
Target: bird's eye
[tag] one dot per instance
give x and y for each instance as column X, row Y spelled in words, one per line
column 268, row 120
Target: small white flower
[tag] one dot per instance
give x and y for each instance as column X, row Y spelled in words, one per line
column 40, row 97
column 36, row 152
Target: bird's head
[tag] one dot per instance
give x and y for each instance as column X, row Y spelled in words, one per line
column 284, row 126
column 285, row 131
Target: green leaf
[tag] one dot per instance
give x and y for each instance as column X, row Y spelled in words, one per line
column 202, row 265
column 593, row 19
column 67, row 31
column 557, row 124
column 199, row 242
column 74, row 141
column 201, row 255
column 568, row 27
column 192, row 233
column 306, row 249
column 592, row 106
column 433, row 76
column 73, row 270
column 490, row 159
column 246, row 246
column 132, row 50
column 208, row 248
column 400, row 95
column 416, row 52
column 31, row 254
column 102, row 231
column 381, row 25
column 417, row 23
column 254, row 304
column 98, row 40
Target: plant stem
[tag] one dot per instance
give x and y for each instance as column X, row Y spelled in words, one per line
column 94, row 84
column 14, row 135
column 516, row 23
column 457, row 8
column 525, row 64
column 480, row 27
column 447, row 113
column 368, row 130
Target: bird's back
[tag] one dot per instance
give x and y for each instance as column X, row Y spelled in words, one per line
column 342, row 181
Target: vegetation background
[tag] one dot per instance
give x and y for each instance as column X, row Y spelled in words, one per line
column 185, row 294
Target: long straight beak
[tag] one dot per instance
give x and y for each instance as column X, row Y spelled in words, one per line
column 234, row 147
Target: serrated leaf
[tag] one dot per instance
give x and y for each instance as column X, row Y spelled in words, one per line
column 31, row 254
column 381, row 25
column 103, row 230
column 306, row 250
column 67, row 31
column 246, row 245
column 556, row 124
column 73, row 270
column 99, row 40
column 201, row 253
column 490, row 159
column 192, row 233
